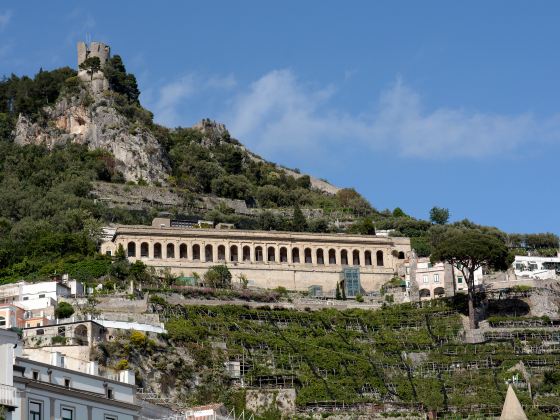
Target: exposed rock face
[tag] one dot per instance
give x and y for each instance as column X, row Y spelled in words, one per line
column 89, row 118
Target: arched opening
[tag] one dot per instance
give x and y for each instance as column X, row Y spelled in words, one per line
column 233, row 253
column 221, row 253
column 344, row 257
column 425, row 293
column 131, row 247
column 332, row 256
column 196, row 252
column 144, row 249
column 271, row 254
column 307, row 255
column 157, row 250
column 401, row 255
column 170, row 251
column 355, row 257
column 246, row 253
column 295, row 255
column 81, row 334
column 379, row 258
column 283, row 255
column 209, row 253
column 183, row 253
column 259, row 254
column 2, row 321
column 320, row 256
column 439, row 292
column 367, row 257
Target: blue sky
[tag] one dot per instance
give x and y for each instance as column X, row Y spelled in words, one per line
column 414, row 104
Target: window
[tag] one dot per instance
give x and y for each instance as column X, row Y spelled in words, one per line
column 459, row 280
column 110, row 394
column 108, row 253
column 66, row 413
column 26, row 298
column 35, row 410
column 41, row 296
column 38, row 324
column 425, row 278
column 35, row 375
column 110, row 417
column 40, row 332
column 61, row 361
column 66, row 380
column 436, row 278
column 430, row 265
column 2, row 321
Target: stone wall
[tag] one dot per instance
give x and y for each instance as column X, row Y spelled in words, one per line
column 259, row 400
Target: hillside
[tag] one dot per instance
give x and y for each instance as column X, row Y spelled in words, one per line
column 408, row 359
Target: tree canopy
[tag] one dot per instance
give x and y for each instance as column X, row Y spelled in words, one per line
column 469, row 250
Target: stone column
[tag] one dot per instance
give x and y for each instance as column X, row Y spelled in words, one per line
column 313, row 255
column 277, row 254
column 228, row 252
column 203, row 252
column 252, row 252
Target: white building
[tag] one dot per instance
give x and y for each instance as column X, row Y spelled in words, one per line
column 536, row 267
column 37, row 390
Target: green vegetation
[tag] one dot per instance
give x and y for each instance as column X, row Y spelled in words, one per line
column 471, row 249
column 63, row 310
column 406, row 354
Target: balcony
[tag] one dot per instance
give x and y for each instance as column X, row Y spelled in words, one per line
column 8, row 396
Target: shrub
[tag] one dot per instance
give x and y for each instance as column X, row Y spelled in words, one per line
column 359, row 298
column 138, row 339
column 122, row 365
column 63, row 310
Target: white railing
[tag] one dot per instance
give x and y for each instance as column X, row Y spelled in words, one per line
column 8, row 396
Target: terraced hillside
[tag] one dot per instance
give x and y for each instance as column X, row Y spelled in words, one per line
column 403, row 358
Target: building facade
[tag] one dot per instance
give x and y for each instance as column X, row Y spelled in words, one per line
column 37, row 390
column 270, row 259
column 436, row 280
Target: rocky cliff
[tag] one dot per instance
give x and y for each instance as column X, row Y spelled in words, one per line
column 89, row 116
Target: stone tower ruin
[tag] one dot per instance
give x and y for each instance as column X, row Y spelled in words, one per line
column 95, row 49
column 98, row 82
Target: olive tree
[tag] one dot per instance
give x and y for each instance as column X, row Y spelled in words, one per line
column 469, row 250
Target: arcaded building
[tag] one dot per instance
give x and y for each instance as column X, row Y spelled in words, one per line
column 294, row 260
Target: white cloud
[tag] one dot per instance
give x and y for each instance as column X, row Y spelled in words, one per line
column 171, row 96
column 5, row 18
column 278, row 113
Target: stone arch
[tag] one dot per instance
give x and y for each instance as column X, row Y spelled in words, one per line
column 307, row 256
column 355, row 257
column 367, row 258
column 379, row 258
column 258, row 254
column 81, row 334
column 144, row 250
column 157, row 250
column 131, row 249
column 425, row 293
column 439, row 292
column 271, row 254
column 170, row 251
column 344, row 257
column 401, row 255
column 295, row 255
column 246, row 253
column 209, row 253
column 221, row 253
column 283, row 254
column 233, row 253
column 183, row 251
column 196, row 252
column 332, row 256
column 320, row 256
